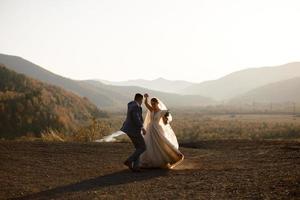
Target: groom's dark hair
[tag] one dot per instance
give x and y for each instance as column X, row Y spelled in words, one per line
column 138, row 96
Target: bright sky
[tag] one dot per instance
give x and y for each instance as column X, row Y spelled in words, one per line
column 193, row 40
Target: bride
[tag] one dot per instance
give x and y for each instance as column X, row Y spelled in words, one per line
column 161, row 142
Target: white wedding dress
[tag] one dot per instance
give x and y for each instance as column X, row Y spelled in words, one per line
column 161, row 142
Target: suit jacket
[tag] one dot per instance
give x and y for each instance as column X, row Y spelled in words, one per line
column 134, row 119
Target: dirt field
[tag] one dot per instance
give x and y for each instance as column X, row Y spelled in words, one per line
column 232, row 169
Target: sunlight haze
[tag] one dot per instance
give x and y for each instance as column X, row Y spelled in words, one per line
column 177, row 40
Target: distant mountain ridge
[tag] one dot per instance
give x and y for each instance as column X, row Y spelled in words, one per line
column 278, row 92
column 227, row 88
column 125, row 94
column 240, row 82
column 104, row 96
column 159, row 84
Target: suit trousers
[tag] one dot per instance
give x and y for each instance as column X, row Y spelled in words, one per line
column 140, row 146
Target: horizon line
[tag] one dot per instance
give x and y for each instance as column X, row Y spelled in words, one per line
column 153, row 79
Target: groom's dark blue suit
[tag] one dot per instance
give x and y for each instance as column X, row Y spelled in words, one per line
column 132, row 127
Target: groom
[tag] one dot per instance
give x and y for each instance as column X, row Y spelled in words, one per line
column 133, row 126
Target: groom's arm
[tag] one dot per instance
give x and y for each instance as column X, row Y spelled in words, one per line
column 136, row 116
column 166, row 116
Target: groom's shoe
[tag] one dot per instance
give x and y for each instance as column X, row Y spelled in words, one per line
column 136, row 169
column 129, row 164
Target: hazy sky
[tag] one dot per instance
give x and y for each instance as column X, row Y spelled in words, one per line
column 126, row 39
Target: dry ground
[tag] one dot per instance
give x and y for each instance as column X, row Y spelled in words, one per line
column 231, row 169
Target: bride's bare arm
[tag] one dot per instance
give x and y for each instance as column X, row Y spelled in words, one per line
column 146, row 103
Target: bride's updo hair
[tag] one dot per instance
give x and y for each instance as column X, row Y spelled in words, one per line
column 154, row 100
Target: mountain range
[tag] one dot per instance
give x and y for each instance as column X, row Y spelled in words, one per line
column 253, row 83
column 241, row 82
column 103, row 95
column 159, row 84
column 257, row 84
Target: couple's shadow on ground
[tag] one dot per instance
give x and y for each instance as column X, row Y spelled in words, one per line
column 116, row 178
